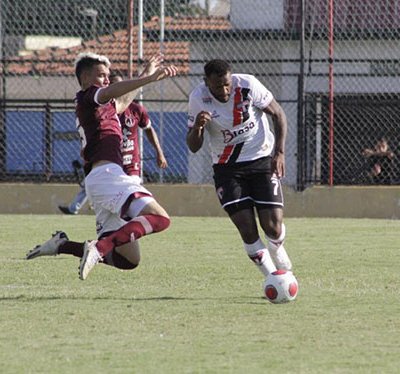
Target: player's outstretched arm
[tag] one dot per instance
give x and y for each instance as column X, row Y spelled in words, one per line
column 118, row 89
column 153, row 64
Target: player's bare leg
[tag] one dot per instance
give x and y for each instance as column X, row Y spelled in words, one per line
column 153, row 208
column 130, row 252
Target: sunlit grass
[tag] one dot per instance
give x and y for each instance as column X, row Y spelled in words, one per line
column 195, row 304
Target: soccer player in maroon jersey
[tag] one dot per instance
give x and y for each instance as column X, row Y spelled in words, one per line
column 248, row 158
column 126, row 257
column 133, row 118
column 125, row 210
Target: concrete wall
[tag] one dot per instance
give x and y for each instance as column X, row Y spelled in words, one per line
column 200, row 200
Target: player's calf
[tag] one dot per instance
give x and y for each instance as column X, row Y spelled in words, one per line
column 140, row 226
column 118, row 261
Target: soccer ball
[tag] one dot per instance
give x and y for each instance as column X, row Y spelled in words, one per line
column 281, row 287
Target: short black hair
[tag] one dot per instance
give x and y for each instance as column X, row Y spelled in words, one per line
column 217, row 67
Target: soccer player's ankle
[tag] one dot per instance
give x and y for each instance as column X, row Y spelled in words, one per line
column 275, row 243
column 260, row 256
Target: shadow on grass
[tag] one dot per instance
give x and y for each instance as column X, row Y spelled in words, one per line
column 238, row 300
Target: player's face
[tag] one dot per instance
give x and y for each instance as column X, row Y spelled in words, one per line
column 220, row 87
column 98, row 75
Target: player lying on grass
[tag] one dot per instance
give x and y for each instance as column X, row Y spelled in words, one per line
column 125, row 210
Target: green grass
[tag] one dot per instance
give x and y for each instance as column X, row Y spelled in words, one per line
column 195, row 304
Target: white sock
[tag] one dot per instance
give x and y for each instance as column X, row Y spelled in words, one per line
column 260, row 256
column 277, row 251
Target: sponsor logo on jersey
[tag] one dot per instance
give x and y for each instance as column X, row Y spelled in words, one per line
column 129, row 122
column 214, row 114
column 128, row 145
column 207, row 100
column 127, row 159
column 244, row 106
column 230, row 135
column 241, row 106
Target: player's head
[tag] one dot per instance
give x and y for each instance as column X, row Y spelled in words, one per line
column 382, row 144
column 115, row 76
column 218, row 79
column 92, row 69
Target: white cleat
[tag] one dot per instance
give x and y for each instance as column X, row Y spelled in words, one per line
column 91, row 257
column 49, row 248
column 280, row 257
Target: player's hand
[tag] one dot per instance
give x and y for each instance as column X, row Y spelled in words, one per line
column 162, row 161
column 278, row 164
column 202, row 119
column 163, row 72
column 154, row 63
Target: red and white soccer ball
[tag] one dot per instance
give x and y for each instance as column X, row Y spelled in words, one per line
column 281, row 286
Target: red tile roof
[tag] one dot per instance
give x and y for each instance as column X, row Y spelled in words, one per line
column 190, row 23
column 60, row 61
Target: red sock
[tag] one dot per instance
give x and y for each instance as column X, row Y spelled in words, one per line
column 133, row 230
column 71, row 248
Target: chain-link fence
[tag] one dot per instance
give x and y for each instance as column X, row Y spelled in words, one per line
column 332, row 65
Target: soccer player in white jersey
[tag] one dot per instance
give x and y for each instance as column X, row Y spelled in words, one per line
column 248, row 159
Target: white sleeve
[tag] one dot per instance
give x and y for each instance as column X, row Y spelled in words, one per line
column 96, row 97
column 194, row 109
column 262, row 97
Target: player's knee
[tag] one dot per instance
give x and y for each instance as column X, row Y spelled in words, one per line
column 160, row 223
column 275, row 231
column 248, row 235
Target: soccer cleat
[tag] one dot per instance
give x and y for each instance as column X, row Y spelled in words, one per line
column 49, row 248
column 66, row 210
column 280, row 257
column 91, row 257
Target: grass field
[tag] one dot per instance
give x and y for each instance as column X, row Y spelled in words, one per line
column 195, row 304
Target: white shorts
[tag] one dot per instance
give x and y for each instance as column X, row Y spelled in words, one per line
column 108, row 188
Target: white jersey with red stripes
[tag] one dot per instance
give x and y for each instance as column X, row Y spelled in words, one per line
column 239, row 130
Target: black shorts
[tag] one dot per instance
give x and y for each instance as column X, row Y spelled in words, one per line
column 247, row 184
